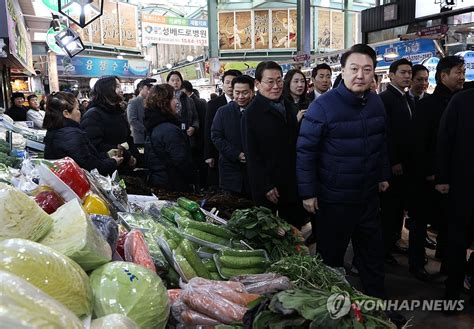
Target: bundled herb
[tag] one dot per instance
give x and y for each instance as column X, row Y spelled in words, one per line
column 260, row 228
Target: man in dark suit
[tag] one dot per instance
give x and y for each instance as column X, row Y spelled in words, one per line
column 419, row 83
column 399, row 108
column 210, row 152
column 321, row 76
column 227, row 137
column 428, row 205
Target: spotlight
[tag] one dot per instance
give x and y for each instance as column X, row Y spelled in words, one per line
column 69, row 41
column 81, row 12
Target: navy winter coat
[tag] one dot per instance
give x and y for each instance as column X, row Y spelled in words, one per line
column 341, row 149
column 71, row 141
column 167, row 152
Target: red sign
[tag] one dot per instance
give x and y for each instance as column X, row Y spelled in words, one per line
column 301, row 57
column 432, row 30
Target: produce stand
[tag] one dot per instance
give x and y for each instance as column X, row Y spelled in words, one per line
column 159, row 261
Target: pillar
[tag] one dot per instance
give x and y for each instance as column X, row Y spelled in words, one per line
column 213, row 35
column 53, row 72
column 348, row 23
column 303, row 31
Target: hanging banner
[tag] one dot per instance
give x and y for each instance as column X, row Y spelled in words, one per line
column 415, row 51
column 18, row 37
column 173, row 30
column 469, row 63
column 96, row 67
column 429, row 8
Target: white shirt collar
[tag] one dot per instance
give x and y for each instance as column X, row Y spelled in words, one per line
column 227, row 98
column 400, row 91
column 413, row 95
column 316, row 94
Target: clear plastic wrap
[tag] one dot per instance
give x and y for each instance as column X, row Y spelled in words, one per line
column 22, row 305
column 115, row 321
column 268, row 283
column 108, row 227
column 47, row 199
column 72, row 175
column 136, row 250
column 48, row 270
column 130, row 290
column 20, row 216
column 74, row 235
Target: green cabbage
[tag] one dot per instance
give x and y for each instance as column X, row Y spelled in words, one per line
column 130, row 290
column 22, row 305
column 115, row 321
column 20, row 216
column 48, row 270
column 74, row 235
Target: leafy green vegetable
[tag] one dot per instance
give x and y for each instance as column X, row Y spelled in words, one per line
column 260, row 228
column 4, row 147
column 50, row 271
column 20, row 216
column 74, row 235
column 22, row 305
column 115, row 321
column 9, row 161
column 131, row 290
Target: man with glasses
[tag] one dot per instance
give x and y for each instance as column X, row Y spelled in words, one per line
column 342, row 164
column 269, row 133
column 226, row 136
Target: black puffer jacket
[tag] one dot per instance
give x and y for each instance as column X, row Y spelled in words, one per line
column 167, row 152
column 107, row 127
column 71, row 141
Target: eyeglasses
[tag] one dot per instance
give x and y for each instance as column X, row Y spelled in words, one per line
column 272, row 83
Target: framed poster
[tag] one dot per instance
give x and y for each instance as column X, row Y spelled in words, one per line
column 261, row 23
column 279, row 29
column 226, row 31
column 243, row 30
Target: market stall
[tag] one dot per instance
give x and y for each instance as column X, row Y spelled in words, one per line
column 76, row 251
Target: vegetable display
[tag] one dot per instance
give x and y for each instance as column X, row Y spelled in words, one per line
column 20, row 216
column 53, row 273
column 74, row 235
column 262, row 229
column 22, row 305
column 131, row 290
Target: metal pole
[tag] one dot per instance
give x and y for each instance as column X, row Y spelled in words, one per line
column 303, row 34
column 213, row 35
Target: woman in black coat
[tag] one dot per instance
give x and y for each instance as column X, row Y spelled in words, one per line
column 167, row 150
column 65, row 138
column 295, row 88
column 106, row 125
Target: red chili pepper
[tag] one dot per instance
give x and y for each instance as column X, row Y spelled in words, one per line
column 357, row 312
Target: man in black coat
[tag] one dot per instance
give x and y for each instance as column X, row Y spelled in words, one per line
column 399, row 108
column 226, row 135
column 454, row 176
column 321, row 77
column 427, row 204
column 210, row 152
column 269, row 133
column 17, row 111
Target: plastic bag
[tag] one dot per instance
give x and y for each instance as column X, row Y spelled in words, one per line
column 47, row 199
column 94, row 204
column 108, row 228
column 22, row 305
column 53, row 273
column 268, row 283
column 121, row 241
column 71, row 174
column 115, row 321
column 136, row 250
column 20, row 216
column 74, row 235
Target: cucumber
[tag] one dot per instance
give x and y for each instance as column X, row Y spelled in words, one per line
column 182, row 212
column 199, row 216
column 208, row 228
column 186, row 249
column 242, row 253
column 186, row 268
column 172, row 278
column 243, row 262
column 187, row 204
column 206, row 236
column 168, row 213
column 215, row 276
column 229, row 272
column 210, row 265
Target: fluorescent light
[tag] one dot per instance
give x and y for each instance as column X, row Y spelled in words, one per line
column 119, row 57
column 189, row 58
column 39, row 36
column 169, row 66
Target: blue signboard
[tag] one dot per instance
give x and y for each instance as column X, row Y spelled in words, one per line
column 95, row 67
column 469, row 63
column 415, row 51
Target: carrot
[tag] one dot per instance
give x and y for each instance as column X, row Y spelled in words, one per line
column 213, row 305
column 201, row 282
column 173, row 295
column 242, row 299
column 193, row 318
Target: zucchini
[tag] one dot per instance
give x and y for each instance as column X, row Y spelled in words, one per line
column 186, row 268
column 206, row 236
column 242, row 253
column 208, row 228
column 187, row 204
column 210, row 265
column 186, row 249
column 182, row 212
column 229, row 272
column 243, row 262
column 168, row 213
column 199, row 216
